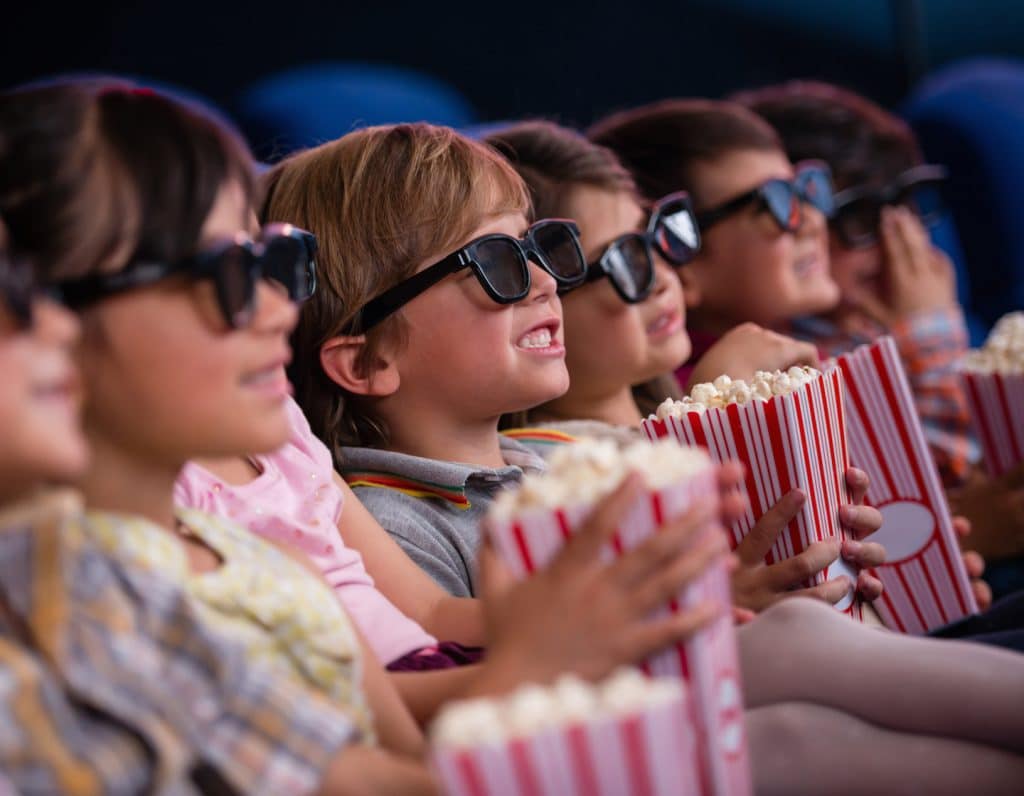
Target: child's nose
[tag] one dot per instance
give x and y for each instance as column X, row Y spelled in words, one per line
column 275, row 312
column 54, row 323
column 813, row 222
column 542, row 284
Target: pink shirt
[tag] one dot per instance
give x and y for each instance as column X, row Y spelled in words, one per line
column 294, row 500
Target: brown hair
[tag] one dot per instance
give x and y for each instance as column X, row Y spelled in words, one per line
column 860, row 141
column 381, row 201
column 553, row 160
column 661, row 143
column 95, row 172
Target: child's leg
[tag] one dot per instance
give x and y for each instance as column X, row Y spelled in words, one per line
column 799, row 748
column 804, row 651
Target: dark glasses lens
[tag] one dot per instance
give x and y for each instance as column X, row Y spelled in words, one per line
column 18, row 291
column 499, row 261
column 287, row 261
column 674, row 230
column 856, row 223
column 234, row 271
column 925, row 199
column 559, row 248
column 814, row 184
column 628, row 264
column 781, row 199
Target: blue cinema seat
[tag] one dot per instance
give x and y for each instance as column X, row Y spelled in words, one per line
column 311, row 104
column 970, row 117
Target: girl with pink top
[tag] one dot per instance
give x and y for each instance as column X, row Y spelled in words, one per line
column 293, row 500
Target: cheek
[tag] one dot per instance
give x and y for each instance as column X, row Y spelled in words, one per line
column 603, row 339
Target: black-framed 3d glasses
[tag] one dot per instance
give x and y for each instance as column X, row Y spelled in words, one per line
column 859, row 208
column 628, row 261
column 783, row 199
column 284, row 254
column 501, row 264
column 19, row 292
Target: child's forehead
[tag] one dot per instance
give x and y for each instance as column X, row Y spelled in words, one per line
column 737, row 172
column 507, row 223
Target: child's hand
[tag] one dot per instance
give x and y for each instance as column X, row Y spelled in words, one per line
column 749, row 348
column 583, row 615
column 756, row 585
column 974, row 564
column 918, row 276
column 994, row 508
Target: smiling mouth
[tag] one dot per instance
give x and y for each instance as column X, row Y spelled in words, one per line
column 665, row 323
column 537, row 338
column 808, row 265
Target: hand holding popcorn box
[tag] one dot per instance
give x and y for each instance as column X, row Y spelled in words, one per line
column 789, row 431
column 628, row 735
column 993, row 379
column 529, row 527
column 926, row 584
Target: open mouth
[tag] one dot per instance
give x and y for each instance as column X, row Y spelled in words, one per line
column 271, row 380
column 541, row 339
column 809, row 265
column 668, row 323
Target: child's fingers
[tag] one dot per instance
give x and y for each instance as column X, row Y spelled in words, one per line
column 585, row 545
column 864, row 555
column 973, row 563
column 919, row 245
column 861, row 521
column 762, row 536
column 894, row 246
column 663, row 586
column 655, row 553
column 869, row 587
column 831, row 591
column 804, row 566
column 857, row 482
column 654, row 635
column 961, row 526
column 982, row 594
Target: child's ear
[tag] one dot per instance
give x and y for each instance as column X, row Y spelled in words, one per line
column 690, row 279
column 340, row 357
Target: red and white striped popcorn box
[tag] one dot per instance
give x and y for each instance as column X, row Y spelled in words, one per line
column 707, row 661
column 926, row 584
column 796, row 440
column 650, row 753
column 996, row 402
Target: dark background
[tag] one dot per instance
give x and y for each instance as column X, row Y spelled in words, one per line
column 569, row 62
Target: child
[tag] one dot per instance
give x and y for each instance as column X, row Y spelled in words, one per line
column 764, row 257
column 216, row 289
column 613, row 343
column 894, row 280
column 375, row 199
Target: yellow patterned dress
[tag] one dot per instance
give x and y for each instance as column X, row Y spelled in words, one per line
column 282, row 613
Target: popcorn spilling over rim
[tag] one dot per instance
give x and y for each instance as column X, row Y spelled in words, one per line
column 587, row 470
column 723, row 391
column 532, row 708
column 1003, row 351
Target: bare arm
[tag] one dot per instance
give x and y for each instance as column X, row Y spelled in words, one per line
column 405, row 584
column 368, row 771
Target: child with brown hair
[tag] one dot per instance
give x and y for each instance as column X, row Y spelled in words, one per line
column 437, row 385
column 626, row 328
column 763, row 257
column 895, row 281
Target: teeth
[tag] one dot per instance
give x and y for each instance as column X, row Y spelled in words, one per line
column 539, row 338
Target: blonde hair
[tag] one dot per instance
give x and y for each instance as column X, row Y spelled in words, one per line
column 382, row 201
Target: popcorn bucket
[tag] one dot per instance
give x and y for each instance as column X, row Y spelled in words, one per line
column 926, row 584
column 653, row 752
column 795, row 440
column 707, row 661
column 996, row 402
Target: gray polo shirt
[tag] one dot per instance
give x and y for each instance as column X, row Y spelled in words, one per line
column 433, row 508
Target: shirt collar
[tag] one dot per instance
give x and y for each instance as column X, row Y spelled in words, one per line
column 422, row 477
